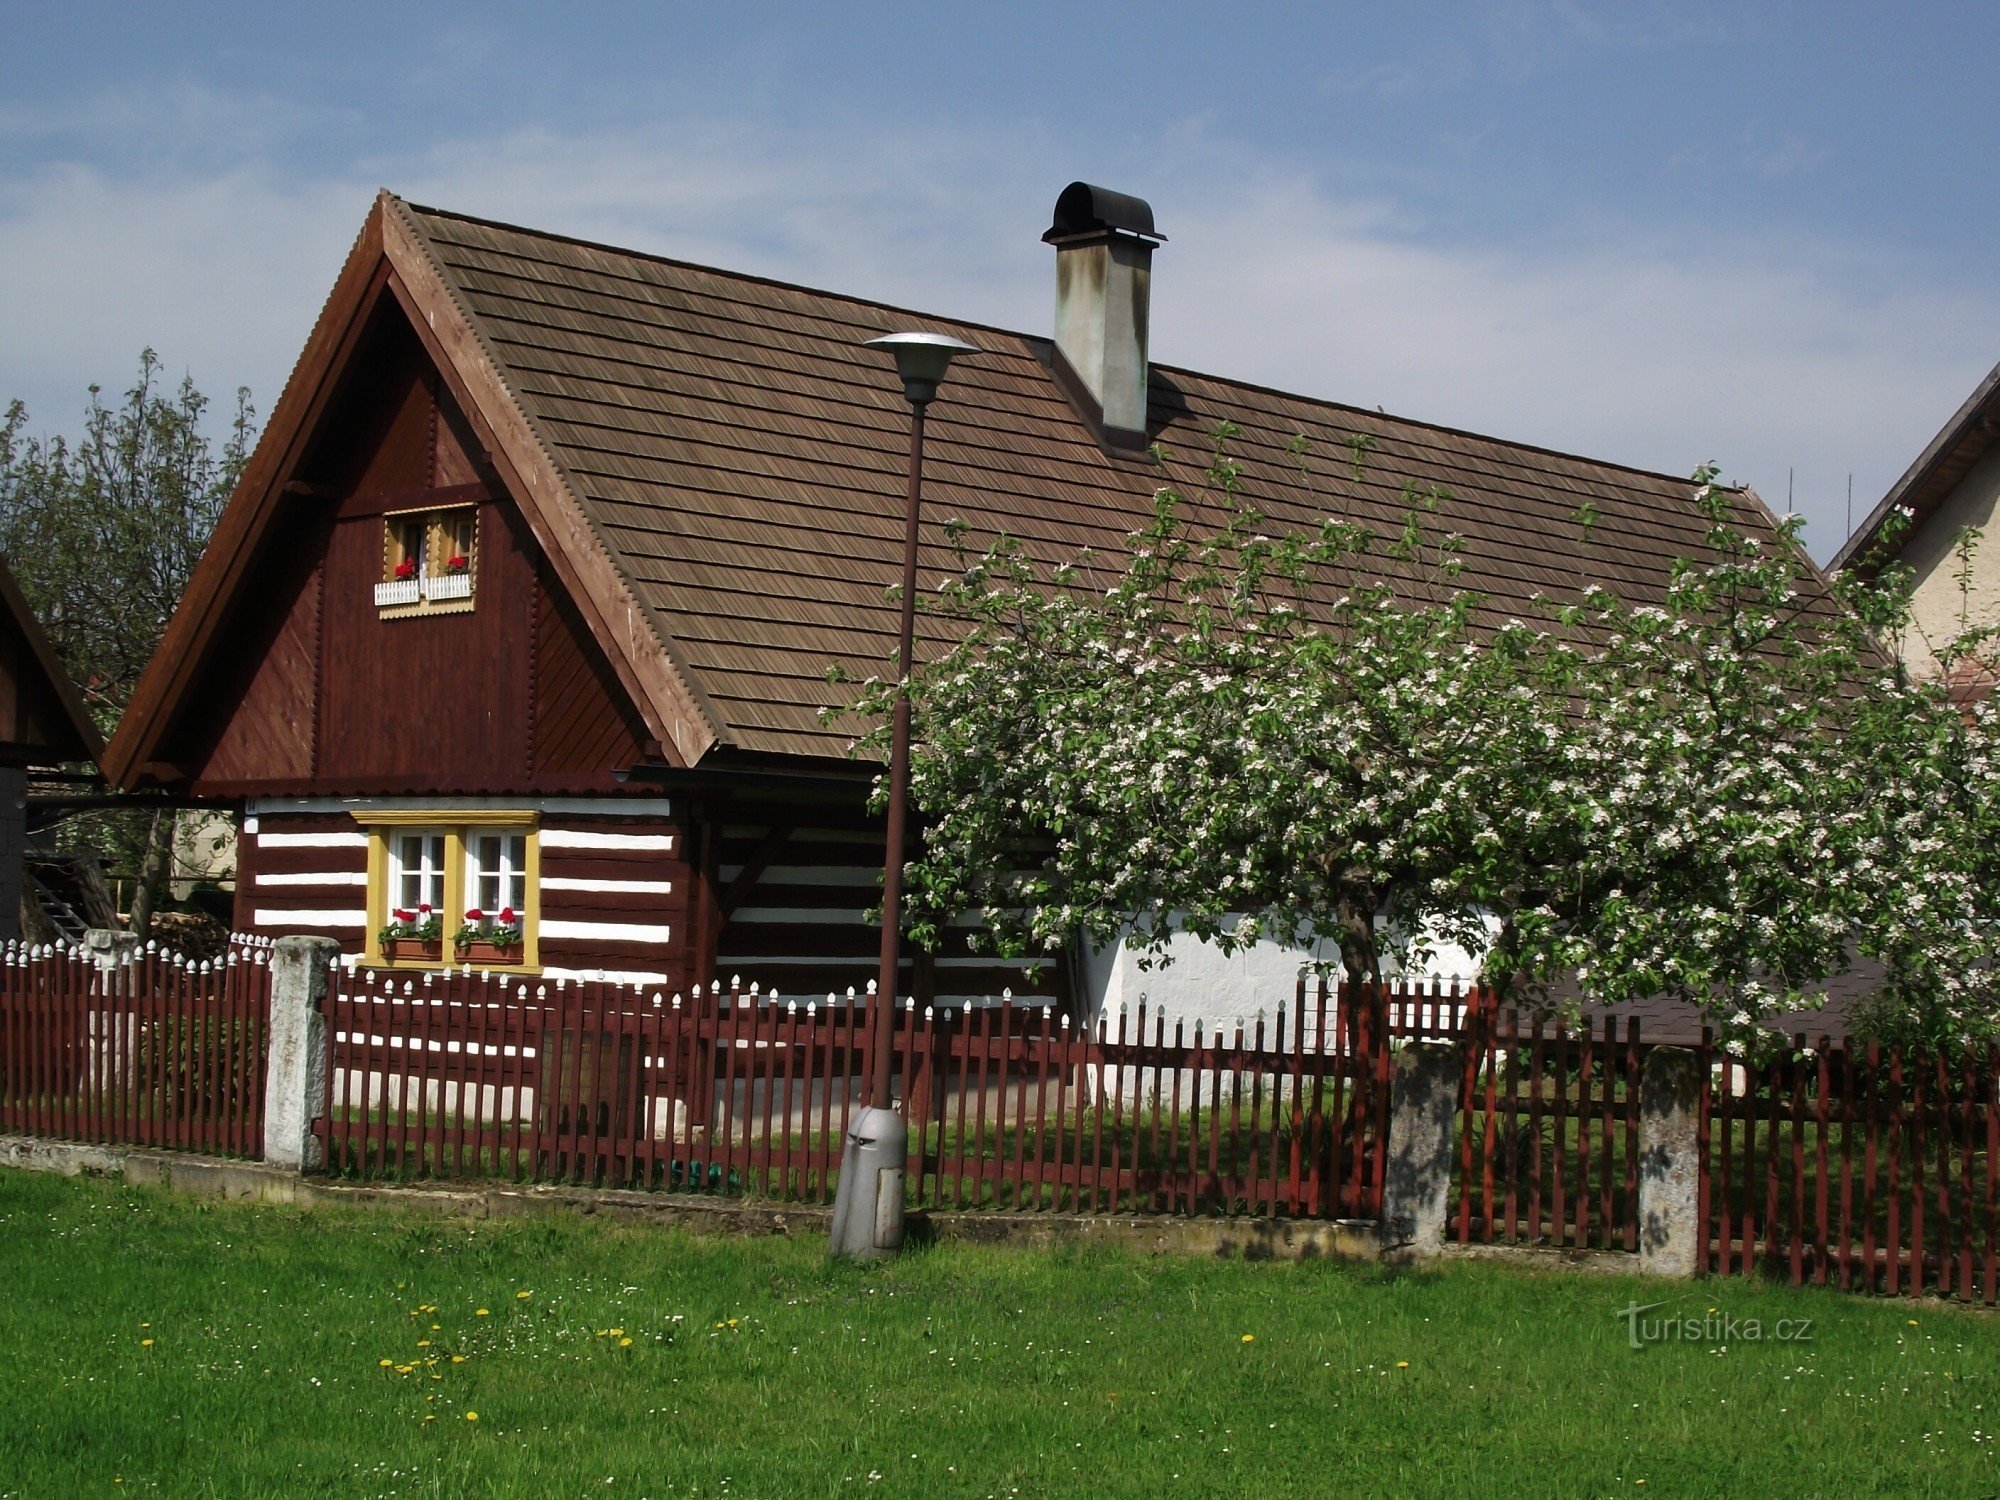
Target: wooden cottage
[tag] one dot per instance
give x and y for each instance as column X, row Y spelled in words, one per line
column 43, row 722
column 529, row 593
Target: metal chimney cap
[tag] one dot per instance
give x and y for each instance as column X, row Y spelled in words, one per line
column 1084, row 209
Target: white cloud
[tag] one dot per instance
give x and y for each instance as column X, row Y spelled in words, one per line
column 1657, row 352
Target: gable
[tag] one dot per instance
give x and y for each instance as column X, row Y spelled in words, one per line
column 42, row 717
column 319, row 687
column 249, row 595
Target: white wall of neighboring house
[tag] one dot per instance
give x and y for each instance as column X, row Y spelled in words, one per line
column 204, row 850
column 1930, row 550
column 1198, row 981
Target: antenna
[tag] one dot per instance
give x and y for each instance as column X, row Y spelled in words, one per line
column 1789, row 507
column 1850, row 502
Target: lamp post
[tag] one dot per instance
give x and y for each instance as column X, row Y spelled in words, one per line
column 868, row 1205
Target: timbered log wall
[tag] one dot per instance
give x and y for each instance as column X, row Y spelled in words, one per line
column 613, row 890
column 803, row 926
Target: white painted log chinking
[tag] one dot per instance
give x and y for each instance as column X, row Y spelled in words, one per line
column 608, row 887
column 266, row 916
column 605, row 932
column 579, row 838
column 316, row 877
column 312, row 841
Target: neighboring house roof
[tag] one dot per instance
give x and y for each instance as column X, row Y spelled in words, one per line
column 716, row 467
column 1946, row 459
column 43, row 721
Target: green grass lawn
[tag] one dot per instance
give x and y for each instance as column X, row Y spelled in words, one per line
column 160, row 1343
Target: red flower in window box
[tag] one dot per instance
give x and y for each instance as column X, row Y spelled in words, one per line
column 457, row 563
column 495, row 939
column 412, row 935
column 407, row 568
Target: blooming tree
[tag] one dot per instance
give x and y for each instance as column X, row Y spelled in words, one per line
column 1726, row 792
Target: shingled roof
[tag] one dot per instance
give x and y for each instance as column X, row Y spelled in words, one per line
column 720, row 465
column 741, row 455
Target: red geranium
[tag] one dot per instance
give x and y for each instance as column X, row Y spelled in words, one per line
column 507, row 917
column 407, row 568
column 456, row 564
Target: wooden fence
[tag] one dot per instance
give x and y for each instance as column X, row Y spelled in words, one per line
column 1010, row 1106
column 1839, row 1164
column 1855, row 1165
column 160, row 1051
column 1548, row 1121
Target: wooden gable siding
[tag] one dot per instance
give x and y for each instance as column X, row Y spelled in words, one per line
column 317, row 691
column 271, row 679
column 34, row 724
column 583, row 722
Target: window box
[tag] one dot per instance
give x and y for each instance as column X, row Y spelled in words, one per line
column 477, row 952
column 414, row 950
column 398, row 591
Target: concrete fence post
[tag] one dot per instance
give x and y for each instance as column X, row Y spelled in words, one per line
column 1416, row 1188
column 1670, row 1229
column 113, row 1027
column 109, row 948
column 295, row 1077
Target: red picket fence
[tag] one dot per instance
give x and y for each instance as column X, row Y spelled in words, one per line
column 1548, row 1132
column 1842, row 1164
column 1857, row 1166
column 1010, row 1106
column 159, row 1052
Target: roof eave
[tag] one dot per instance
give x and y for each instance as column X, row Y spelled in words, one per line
column 1976, row 417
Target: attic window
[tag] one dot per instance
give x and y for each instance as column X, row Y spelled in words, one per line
column 429, row 559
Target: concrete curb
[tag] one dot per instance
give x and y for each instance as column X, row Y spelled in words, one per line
column 1244, row 1238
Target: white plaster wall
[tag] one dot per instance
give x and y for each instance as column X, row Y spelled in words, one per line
column 1938, row 599
column 1198, row 981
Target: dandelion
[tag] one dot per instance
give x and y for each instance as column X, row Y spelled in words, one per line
column 522, row 1296
column 472, row 1416
column 479, row 1312
column 458, row 1359
column 385, row 1364
column 145, row 1343
column 1402, row 1364
column 1249, row 1338
column 625, row 1343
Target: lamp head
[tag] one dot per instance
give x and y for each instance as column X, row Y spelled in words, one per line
column 921, row 359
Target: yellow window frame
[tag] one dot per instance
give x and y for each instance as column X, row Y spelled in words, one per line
column 456, row 824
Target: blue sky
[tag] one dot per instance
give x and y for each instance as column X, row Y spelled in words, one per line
column 1654, row 234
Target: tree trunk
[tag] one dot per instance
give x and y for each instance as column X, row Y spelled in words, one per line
column 152, row 873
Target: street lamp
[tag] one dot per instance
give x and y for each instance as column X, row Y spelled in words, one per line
column 868, row 1205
